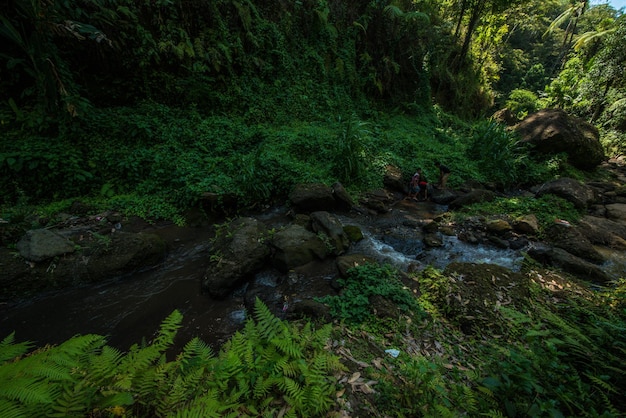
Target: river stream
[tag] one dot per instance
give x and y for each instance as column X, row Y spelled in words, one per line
column 129, row 309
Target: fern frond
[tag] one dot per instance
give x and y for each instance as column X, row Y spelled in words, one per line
column 9, row 350
column 262, row 387
column 72, row 402
column 10, row 409
column 195, row 352
column 287, row 346
column 168, row 330
column 293, row 391
column 104, row 366
column 27, row 390
column 268, row 324
column 606, row 386
column 290, row 369
column 393, row 11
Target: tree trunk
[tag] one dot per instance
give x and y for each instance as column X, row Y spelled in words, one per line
column 477, row 11
column 459, row 23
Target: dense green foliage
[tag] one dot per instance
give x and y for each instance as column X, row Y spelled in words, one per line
column 146, row 106
column 547, row 209
column 364, row 283
column 267, row 367
column 141, row 106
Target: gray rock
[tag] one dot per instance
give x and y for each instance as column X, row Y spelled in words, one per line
column 616, row 211
column 311, row 197
column 557, row 257
column 527, row 224
column 324, row 222
column 295, row 246
column 474, row 196
column 394, row 180
column 42, row 244
column 239, row 252
column 346, row 262
column 573, row 241
column 602, row 231
column 580, row 195
column 552, row 131
column 343, row 200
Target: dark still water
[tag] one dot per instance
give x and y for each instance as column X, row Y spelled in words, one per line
column 131, row 308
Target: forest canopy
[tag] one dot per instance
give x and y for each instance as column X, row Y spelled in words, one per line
column 84, row 81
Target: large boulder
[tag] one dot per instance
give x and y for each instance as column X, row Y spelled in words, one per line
column 580, row 195
column 394, row 180
column 327, row 224
column 616, row 212
column 377, row 201
column 295, row 246
column 85, row 257
column 602, row 231
column 505, row 116
column 347, row 262
column 238, row 253
column 41, row 244
column 343, row 200
column 311, row 197
column 552, row 131
column 569, row 263
column 572, row 240
column 474, row 196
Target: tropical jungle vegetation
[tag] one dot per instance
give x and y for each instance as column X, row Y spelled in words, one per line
column 143, row 106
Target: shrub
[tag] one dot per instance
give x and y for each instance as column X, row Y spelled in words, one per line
column 522, row 102
column 363, row 282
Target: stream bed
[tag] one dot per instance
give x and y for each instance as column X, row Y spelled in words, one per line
column 130, row 309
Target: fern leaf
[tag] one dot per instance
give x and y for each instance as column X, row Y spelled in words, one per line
column 262, row 387
column 9, row 350
column 393, row 11
column 293, row 391
column 194, row 353
column 27, row 390
column 288, row 346
column 269, row 326
column 168, row 330
column 10, row 409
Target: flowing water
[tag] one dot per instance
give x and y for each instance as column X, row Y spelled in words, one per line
column 129, row 309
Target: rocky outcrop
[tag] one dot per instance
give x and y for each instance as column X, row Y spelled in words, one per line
column 76, row 257
column 42, row 244
column 393, row 179
column 328, row 225
column 346, row 262
column 557, row 257
column 295, row 246
column 311, row 197
column 603, row 231
column 377, row 201
column 616, row 212
column 505, row 116
column 527, row 224
column 552, row 131
column 343, row 200
column 580, row 195
column 239, row 251
column 474, row 196
column 573, row 241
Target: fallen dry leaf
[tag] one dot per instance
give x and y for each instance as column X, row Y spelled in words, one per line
column 355, row 376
